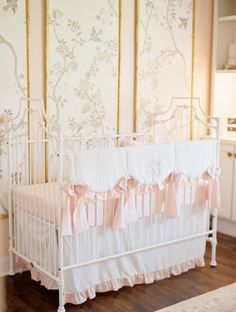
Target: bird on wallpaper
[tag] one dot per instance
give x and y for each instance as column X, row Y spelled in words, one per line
column 12, row 5
column 94, row 36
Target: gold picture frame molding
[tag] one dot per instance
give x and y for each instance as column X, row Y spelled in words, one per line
column 192, row 73
column 3, row 216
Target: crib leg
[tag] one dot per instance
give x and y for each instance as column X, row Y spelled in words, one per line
column 11, row 263
column 61, row 307
column 213, row 262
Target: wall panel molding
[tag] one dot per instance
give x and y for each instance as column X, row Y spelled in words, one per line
column 82, row 69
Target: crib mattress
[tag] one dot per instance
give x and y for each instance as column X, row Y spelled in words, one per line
column 41, row 200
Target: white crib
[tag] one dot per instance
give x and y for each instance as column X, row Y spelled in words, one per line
column 84, row 240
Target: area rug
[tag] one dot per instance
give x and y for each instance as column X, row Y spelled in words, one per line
column 220, row 300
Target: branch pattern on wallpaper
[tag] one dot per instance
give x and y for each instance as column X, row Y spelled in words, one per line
column 164, row 66
column 83, row 63
column 83, row 53
column 18, row 77
column 12, row 75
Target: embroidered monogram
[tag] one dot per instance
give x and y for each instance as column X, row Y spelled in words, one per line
column 153, row 169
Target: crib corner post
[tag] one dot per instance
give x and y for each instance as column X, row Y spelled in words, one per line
column 213, row 262
column 11, row 264
column 61, row 283
column 61, row 307
column 213, row 239
column 10, row 212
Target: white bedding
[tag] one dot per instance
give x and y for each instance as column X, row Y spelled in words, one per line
column 101, row 171
column 143, row 267
column 194, row 157
column 38, row 199
column 150, row 164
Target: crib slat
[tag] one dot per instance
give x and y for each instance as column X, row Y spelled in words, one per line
column 112, row 234
column 96, row 226
column 105, row 225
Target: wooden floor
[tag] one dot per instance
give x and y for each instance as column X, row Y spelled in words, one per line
column 24, row 295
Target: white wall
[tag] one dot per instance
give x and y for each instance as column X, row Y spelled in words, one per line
column 225, row 99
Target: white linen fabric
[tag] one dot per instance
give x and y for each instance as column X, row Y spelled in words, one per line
column 142, row 267
column 100, row 169
column 39, row 199
column 150, row 164
column 192, row 158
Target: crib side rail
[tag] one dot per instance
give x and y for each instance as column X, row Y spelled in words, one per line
column 32, row 198
column 104, row 238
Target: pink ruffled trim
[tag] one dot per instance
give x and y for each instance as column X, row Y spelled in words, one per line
column 116, row 284
column 80, row 211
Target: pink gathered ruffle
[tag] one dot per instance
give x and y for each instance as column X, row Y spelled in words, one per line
column 124, row 204
column 115, row 284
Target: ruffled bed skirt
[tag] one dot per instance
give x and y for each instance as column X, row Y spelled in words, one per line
column 114, row 284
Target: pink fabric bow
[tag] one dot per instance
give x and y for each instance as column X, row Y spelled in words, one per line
column 132, row 200
column 212, row 174
column 74, row 217
column 126, row 211
column 171, row 196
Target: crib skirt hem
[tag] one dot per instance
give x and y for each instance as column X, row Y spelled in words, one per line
column 114, row 284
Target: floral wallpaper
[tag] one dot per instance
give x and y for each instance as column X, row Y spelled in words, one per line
column 83, row 60
column 83, row 63
column 13, row 80
column 164, row 56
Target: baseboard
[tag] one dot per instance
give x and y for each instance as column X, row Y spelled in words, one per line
column 227, row 227
column 4, row 265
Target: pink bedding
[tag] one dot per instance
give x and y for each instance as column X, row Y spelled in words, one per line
column 39, row 200
column 133, row 200
column 128, row 201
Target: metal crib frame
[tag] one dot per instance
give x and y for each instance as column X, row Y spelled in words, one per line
column 18, row 139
